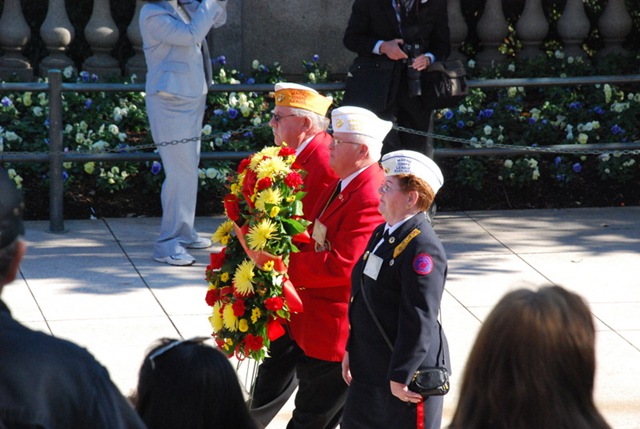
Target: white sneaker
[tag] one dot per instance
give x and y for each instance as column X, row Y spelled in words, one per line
column 181, row 260
column 200, row 243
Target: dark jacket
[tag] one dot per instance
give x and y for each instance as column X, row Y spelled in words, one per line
column 49, row 383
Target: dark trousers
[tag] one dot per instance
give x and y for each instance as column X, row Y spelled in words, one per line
column 321, row 389
column 408, row 112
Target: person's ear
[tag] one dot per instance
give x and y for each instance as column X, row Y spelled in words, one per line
column 14, row 266
column 412, row 198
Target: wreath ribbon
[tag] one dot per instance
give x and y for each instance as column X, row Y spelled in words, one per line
column 261, row 257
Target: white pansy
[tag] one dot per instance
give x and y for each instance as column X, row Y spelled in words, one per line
column 512, row 91
column 113, row 129
column 117, row 114
column 11, row 136
column 508, row 163
column 487, row 130
column 67, row 72
column 26, row 99
column 211, row 173
column 471, row 64
column 83, row 126
column 512, row 67
column 122, row 136
column 37, row 111
column 99, row 145
column 68, row 128
column 583, row 138
column 206, row 130
column 201, row 173
column 79, row 137
column 255, row 64
column 536, row 174
column 607, row 93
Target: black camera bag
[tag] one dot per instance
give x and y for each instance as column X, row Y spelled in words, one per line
column 444, row 84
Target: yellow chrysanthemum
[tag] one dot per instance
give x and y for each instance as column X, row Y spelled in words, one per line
column 272, row 167
column 223, row 232
column 268, row 266
column 260, row 234
column 229, row 319
column 216, row 318
column 258, row 157
column 243, row 325
column 243, row 277
column 235, row 189
column 255, row 314
column 268, row 196
column 224, row 277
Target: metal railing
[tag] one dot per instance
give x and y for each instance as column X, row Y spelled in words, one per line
column 57, row 156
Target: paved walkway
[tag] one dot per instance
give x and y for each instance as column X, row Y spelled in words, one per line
column 97, row 285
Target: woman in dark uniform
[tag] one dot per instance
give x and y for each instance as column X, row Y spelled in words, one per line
column 403, row 276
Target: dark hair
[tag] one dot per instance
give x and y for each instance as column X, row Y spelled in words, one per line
column 409, row 182
column 532, row 365
column 190, row 386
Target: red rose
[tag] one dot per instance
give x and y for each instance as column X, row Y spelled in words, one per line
column 216, row 260
column 231, row 207
column 213, row 295
column 238, row 308
column 264, row 183
column 243, row 165
column 293, row 180
column 253, row 342
column 274, row 304
column 286, row 151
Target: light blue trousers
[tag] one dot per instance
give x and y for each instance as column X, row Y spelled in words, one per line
column 174, row 118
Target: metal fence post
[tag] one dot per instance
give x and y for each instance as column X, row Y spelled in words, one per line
column 56, row 190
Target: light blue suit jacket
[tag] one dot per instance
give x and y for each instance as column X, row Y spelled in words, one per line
column 174, row 50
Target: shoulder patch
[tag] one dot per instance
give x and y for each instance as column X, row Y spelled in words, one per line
column 423, row 264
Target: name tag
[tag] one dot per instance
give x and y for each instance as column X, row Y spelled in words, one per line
column 372, row 267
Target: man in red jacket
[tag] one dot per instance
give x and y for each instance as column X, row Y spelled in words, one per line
column 298, row 121
column 321, row 272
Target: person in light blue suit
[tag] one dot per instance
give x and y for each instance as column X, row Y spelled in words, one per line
column 177, row 82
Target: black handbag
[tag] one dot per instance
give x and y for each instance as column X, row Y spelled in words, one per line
column 444, row 84
column 431, row 381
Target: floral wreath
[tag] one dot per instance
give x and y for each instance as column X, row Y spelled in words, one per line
column 249, row 290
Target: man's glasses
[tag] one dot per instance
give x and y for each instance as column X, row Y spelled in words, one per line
column 338, row 142
column 277, row 118
column 162, row 350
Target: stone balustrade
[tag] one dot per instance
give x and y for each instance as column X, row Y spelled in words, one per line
column 288, row 32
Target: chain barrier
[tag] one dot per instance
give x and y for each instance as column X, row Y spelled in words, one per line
column 474, row 144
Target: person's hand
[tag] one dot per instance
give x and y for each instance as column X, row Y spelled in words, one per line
column 393, row 49
column 346, row 369
column 421, row 63
column 402, row 392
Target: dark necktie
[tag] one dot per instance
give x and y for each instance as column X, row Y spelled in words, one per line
column 336, row 192
column 408, row 4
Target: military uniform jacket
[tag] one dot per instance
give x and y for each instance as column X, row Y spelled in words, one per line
column 406, row 298
column 323, row 279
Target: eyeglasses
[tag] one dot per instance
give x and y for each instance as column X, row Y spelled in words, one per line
column 277, row 118
column 338, row 142
column 162, row 350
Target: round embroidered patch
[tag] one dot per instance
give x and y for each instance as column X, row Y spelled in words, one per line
column 423, row 264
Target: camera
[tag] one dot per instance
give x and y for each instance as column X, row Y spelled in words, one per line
column 413, row 50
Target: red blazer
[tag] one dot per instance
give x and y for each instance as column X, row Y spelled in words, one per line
column 323, row 279
column 314, row 159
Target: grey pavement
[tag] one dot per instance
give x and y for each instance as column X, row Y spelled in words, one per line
column 96, row 284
